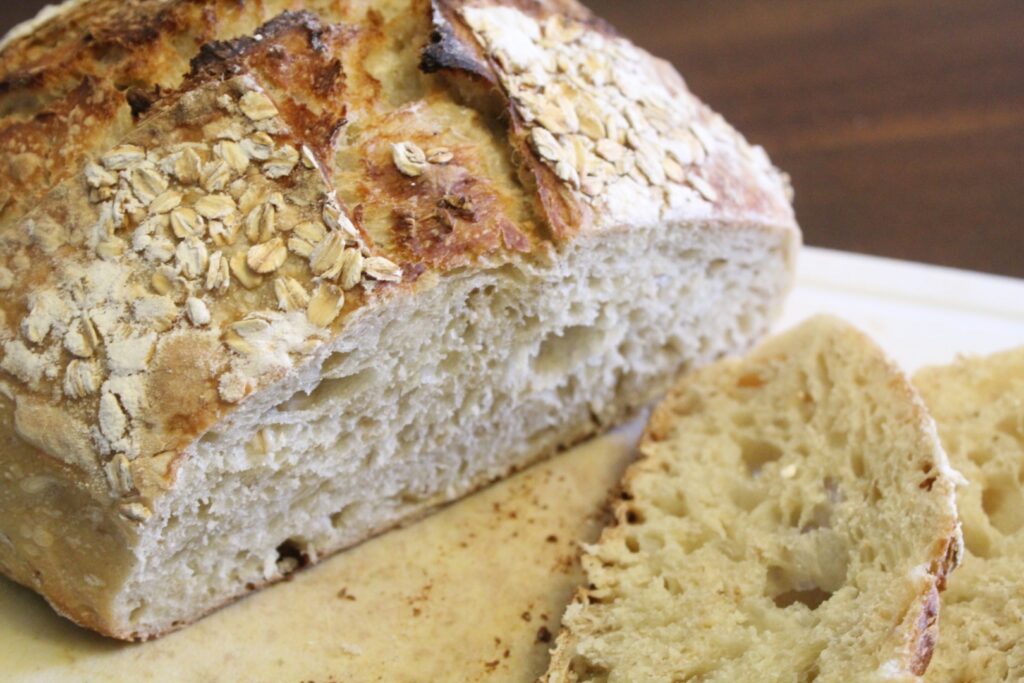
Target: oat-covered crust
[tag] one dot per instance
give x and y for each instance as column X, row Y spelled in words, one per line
column 196, row 194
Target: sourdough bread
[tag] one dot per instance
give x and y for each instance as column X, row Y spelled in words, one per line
column 278, row 279
column 978, row 404
column 791, row 518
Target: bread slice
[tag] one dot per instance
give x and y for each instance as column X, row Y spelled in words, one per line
column 791, row 518
column 978, row 404
column 309, row 279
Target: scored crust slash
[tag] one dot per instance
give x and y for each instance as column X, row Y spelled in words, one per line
column 302, row 282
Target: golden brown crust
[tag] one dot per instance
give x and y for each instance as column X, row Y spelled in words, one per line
column 75, row 83
column 108, row 294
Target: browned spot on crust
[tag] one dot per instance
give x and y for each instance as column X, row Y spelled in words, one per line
column 298, row 59
column 446, row 217
column 71, row 86
column 183, row 381
column 38, row 153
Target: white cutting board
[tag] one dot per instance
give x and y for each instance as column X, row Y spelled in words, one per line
column 464, row 595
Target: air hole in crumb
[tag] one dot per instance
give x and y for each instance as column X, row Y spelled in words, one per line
column 786, row 590
column 756, row 454
column 674, row 505
column 412, row 497
column 332, row 388
column 980, row 544
column 561, row 352
column 654, row 540
column 672, row 585
column 1003, row 503
column 810, row 675
column 717, row 266
column 290, row 556
column 747, row 497
column 811, row 598
column 634, row 516
column 478, row 298
column 832, row 490
column 342, row 517
column 684, row 406
column 806, row 405
column 1012, row 426
column 451, row 363
column 632, row 544
column 929, row 479
column 980, row 457
column 793, row 515
column 857, row 464
column 820, row 518
column 875, row 495
column 588, row 672
column 333, row 364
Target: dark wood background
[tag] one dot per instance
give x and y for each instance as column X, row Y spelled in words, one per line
column 901, row 121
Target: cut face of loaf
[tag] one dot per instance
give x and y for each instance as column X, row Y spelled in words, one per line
column 791, row 519
column 293, row 289
column 430, row 398
column 978, row 404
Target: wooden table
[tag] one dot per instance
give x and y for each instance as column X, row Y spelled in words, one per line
column 901, row 121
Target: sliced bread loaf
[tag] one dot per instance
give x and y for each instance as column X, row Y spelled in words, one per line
column 792, row 518
column 309, row 279
column 979, row 406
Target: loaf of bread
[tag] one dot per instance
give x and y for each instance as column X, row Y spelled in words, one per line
column 791, row 518
column 280, row 275
column 979, row 406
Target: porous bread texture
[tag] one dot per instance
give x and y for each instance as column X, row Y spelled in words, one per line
column 296, row 191
column 978, row 404
column 792, row 519
column 431, row 397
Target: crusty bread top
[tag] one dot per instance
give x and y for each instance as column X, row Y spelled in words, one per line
column 183, row 220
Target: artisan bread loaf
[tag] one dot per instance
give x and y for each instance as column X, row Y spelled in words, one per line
column 978, row 404
column 276, row 281
column 791, row 518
